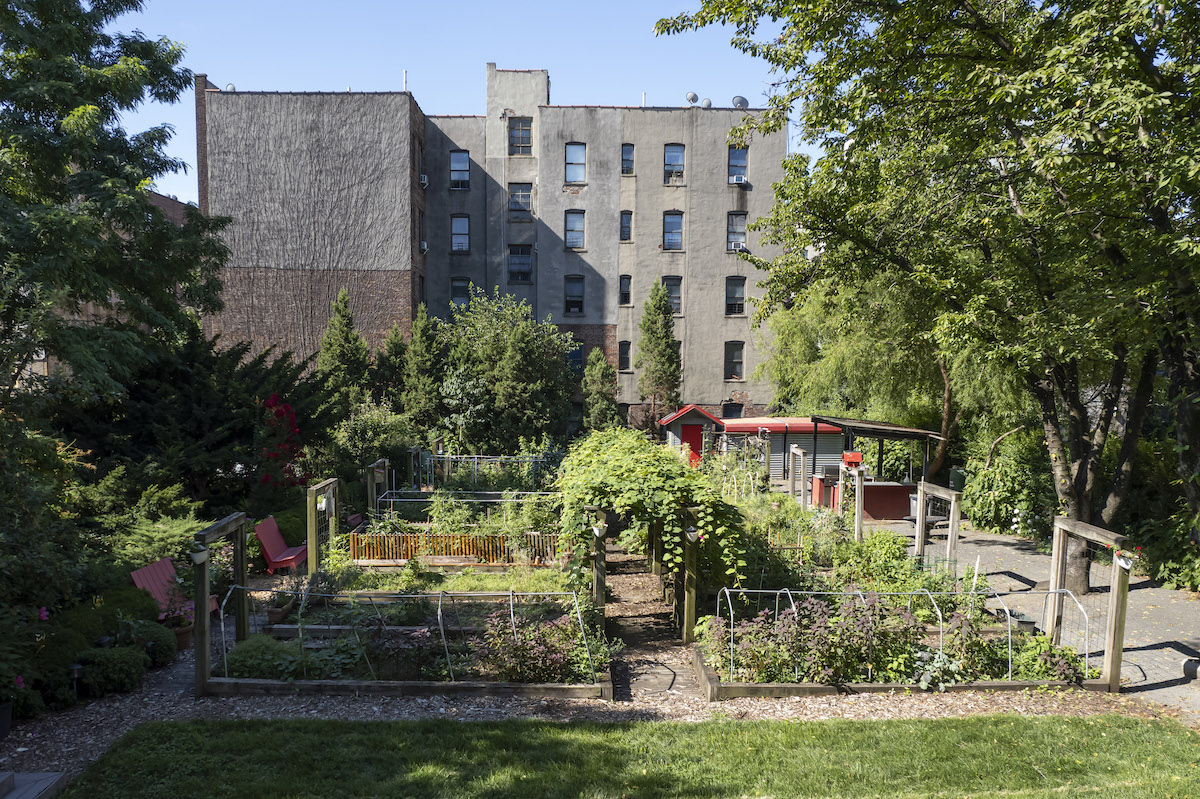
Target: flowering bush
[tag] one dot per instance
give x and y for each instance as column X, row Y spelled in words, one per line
column 281, row 450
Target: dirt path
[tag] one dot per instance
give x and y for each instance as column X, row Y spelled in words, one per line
column 653, row 664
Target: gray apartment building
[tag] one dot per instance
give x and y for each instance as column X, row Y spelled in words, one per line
column 578, row 210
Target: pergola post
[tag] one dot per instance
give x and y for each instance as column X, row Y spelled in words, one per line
column 691, row 579
column 237, row 524
column 599, row 553
column 920, row 523
column 859, row 493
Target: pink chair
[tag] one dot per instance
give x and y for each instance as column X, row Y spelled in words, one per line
column 160, row 581
column 275, row 550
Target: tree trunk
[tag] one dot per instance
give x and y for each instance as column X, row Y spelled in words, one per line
column 949, row 425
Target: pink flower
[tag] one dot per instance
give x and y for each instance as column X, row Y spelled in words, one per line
column 20, row 683
column 43, row 614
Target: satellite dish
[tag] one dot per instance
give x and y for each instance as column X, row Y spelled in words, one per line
column 229, row 87
column 706, row 103
column 692, row 97
column 740, row 102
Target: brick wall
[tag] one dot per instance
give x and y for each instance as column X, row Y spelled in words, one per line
column 289, row 309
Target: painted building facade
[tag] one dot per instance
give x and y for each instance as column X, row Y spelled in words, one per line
column 578, row 210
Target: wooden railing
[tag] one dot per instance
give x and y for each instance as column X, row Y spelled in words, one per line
column 538, row 547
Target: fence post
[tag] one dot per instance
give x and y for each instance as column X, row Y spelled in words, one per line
column 202, row 634
column 920, row 523
column 805, row 481
column 599, row 552
column 792, row 471
column 691, row 579
column 952, row 534
column 858, row 503
column 312, row 542
column 239, row 579
column 1114, row 638
column 1052, row 624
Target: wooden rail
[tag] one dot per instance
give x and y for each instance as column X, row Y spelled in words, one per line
column 485, row 548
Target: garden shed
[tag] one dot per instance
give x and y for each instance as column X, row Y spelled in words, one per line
column 783, row 432
column 694, row 426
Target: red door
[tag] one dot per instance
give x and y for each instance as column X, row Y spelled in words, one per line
column 693, row 436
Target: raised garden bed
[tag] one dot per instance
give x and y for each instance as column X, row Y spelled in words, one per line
column 229, row 686
column 715, row 690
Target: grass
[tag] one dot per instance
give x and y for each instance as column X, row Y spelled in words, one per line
column 1009, row 756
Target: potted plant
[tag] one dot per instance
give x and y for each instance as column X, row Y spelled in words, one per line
column 180, row 615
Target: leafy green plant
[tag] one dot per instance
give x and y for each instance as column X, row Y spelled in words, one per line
column 119, row 669
column 936, row 670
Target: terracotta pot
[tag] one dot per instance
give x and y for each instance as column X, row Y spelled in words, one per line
column 183, row 637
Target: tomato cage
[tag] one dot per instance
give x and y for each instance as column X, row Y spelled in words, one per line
column 313, row 641
column 922, row 637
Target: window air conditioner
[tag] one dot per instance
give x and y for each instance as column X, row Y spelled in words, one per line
column 424, row 246
column 424, row 181
column 738, row 179
column 737, row 246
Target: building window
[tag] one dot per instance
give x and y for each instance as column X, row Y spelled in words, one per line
column 733, row 360
column 625, row 295
column 673, row 165
column 672, row 231
column 731, row 410
column 674, row 286
column 626, row 159
column 460, row 233
column 460, row 291
column 735, row 232
column 575, row 360
column 520, row 263
column 460, row 169
column 520, row 136
column 737, row 164
column 735, row 296
column 520, row 200
column 576, row 163
column 623, row 350
column 573, row 235
column 626, row 225
column 573, row 294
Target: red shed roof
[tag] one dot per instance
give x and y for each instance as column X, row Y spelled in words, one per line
column 688, row 409
column 778, row 424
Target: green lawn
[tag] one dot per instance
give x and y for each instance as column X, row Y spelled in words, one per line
column 1010, row 756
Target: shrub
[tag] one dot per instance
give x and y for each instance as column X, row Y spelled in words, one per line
column 27, row 704
column 61, row 649
column 157, row 641
column 116, row 670
column 541, row 650
column 1015, row 494
column 1038, row 659
column 130, row 601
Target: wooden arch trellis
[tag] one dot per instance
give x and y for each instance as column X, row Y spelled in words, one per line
column 237, row 527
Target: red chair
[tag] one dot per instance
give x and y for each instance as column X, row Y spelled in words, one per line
column 160, row 580
column 275, row 550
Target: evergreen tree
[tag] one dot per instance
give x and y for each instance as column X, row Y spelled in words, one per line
column 658, row 353
column 344, row 359
column 387, row 373
column 423, row 368
column 600, row 409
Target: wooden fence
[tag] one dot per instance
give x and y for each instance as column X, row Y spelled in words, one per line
column 537, row 547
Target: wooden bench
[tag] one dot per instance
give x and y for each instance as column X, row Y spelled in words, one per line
column 161, row 582
column 275, row 550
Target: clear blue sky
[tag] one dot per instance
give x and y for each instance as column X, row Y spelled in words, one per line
column 597, row 53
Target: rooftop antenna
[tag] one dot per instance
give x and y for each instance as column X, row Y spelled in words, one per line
column 692, row 97
column 406, row 80
column 706, row 103
column 740, row 102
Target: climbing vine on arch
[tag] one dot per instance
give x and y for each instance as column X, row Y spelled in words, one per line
column 650, row 487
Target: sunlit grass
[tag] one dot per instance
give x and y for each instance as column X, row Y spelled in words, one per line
column 1010, row 756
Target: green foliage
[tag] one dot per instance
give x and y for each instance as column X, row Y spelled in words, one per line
column 344, row 359
column 507, row 375
column 263, row 657
column 223, row 424
column 1037, row 659
column 158, row 642
column 600, row 409
column 1015, row 493
column 651, row 489
column 369, row 431
column 423, row 371
column 543, row 650
column 387, row 371
column 79, row 225
column 658, row 353
column 116, row 670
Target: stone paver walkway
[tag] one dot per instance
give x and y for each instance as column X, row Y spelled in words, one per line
column 1162, row 626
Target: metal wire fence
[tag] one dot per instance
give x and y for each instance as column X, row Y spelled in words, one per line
column 446, row 636
column 1003, row 621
